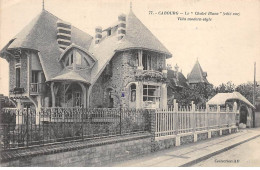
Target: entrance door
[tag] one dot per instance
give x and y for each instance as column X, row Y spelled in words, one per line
column 243, row 115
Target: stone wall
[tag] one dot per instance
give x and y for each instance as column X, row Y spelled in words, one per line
column 225, row 132
column 99, row 154
column 166, row 142
column 115, row 82
column 202, row 136
column 215, row 134
column 187, row 139
column 122, row 74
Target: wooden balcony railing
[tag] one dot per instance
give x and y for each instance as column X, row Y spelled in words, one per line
column 36, row 88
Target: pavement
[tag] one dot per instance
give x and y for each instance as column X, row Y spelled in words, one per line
column 191, row 154
column 244, row 155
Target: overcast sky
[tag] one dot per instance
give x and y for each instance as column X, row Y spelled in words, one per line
column 226, row 47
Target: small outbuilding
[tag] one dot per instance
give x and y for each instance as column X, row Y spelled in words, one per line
column 244, row 107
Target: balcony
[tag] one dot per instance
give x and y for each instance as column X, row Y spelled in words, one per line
column 17, row 90
column 151, row 75
column 36, row 88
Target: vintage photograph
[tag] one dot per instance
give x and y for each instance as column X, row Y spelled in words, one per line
column 127, row 83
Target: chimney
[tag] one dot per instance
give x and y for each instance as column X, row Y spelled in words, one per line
column 121, row 26
column 63, row 34
column 98, row 34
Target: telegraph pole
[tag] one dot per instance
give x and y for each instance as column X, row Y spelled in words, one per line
column 254, row 84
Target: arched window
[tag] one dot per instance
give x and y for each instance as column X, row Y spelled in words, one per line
column 133, row 93
column 108, row 97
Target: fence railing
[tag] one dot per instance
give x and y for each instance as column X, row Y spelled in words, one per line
column 27, row 127
column 36, row 87
column 179, row 120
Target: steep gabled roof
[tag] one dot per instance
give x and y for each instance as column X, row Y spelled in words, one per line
column 174, row 82
column 104, row 51
column 139, row 36
column 197, row 75
column 40, row 34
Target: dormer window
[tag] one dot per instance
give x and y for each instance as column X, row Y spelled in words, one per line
column 77, row 58
column 70, row 60
column 109, row 32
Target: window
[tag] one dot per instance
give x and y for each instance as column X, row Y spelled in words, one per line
column 68, row 62
column 147, row 62
column 68, row 99
column 133, row 93
column 17, row 72
column 34, row 76
column 108, row 98
column 71, row 59
column 111, row 100
column 151, row 93
column 34, row 85
column 77, row 99
column 78, row 58
column 109, row 32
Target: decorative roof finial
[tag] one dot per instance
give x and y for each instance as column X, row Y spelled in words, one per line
column 130, row 5
column 42, row 4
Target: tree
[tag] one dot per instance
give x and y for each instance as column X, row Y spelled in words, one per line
column 229, row 87
column 199, row 94
column 247, row 89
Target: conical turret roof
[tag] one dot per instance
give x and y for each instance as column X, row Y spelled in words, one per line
column 41, row 35
column 139, row 36
column 197, row 75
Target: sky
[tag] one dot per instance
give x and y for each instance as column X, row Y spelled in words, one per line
column 226, row 47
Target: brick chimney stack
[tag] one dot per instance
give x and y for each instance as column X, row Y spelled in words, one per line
column 63, row 34
column 121, row 26
column 98, row 36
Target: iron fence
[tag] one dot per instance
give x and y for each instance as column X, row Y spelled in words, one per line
column 27, row 127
